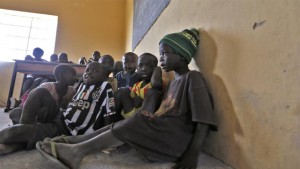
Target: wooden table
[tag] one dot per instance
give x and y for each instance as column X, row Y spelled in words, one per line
column 36, row 68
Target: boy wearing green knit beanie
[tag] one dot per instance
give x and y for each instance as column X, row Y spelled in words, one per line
column 184, row 43
column 187, row 95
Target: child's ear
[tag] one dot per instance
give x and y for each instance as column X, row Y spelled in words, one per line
column 184, row 60
column 61, row 76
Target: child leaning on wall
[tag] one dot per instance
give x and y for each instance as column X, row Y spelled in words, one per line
column 91, row 108
column 173, row 133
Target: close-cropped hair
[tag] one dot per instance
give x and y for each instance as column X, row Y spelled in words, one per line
column 153, row 57
column 127, row 54
column 61, row 69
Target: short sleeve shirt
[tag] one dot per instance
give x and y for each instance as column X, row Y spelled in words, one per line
column 127, row 81
column 91, row 108
column 167, row 135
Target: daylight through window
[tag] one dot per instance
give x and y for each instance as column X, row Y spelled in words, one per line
column 21, row 32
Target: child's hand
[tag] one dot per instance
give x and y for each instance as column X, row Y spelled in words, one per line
column 187, row 160
column 156, row 79
column 125, row 90
column 137, row 101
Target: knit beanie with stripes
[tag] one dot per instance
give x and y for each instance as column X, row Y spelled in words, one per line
column 184, row 43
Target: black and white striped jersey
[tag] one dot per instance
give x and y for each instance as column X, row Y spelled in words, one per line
column 91, row 108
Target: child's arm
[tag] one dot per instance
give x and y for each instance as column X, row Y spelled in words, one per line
column 189, row 158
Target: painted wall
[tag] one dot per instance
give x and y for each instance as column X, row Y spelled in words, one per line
column 249, row 55
column 6, row 69
column 83, row 27
column 129, row 25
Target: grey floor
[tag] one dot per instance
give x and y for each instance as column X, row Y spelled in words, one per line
column 33, row 160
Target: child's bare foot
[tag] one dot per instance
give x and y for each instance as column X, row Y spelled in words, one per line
column 66, row 154
column 66, row 139
column 123, row 148
column 156, row 79
column 4, row 149
column 9, row 148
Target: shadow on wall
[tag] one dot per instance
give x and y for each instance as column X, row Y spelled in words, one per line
column 222, row 144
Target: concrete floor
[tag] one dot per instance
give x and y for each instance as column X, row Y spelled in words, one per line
column 33, row 160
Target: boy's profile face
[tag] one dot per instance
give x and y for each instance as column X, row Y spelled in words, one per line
column 146, row 66
column 169, row 60
column 129, row 63
column 69, row 77
column 94, row 74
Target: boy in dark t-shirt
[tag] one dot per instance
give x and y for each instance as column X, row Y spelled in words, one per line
column 175, row 132
column 91, row 108
column 128, row 77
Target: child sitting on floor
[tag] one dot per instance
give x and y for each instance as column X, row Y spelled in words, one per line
column 128, row 77
column 129, row 103
column 118, row 67
column 31, row 80
column 61, row 91
column 173, row 133
column 108, row 63
column 91, row 108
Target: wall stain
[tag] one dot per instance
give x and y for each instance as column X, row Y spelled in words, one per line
column 257, row 24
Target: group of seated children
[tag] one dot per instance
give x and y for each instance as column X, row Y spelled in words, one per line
column 91, row 107
column 44, row 103
column 163, row 125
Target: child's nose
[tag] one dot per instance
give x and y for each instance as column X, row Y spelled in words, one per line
column 161, row 58
column 144, row 67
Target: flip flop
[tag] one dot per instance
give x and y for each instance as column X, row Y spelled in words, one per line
column 63, row 137
column 52, row 158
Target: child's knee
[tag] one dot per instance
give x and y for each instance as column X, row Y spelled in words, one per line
column 37, row 98
column 15, row 115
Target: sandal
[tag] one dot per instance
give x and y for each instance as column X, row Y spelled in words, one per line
column 53, row 158
column 58, row 139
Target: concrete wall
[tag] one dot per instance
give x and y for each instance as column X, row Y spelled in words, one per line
column 6, row 69
column 129, row 25
column 83, row 26
column 249, row 54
